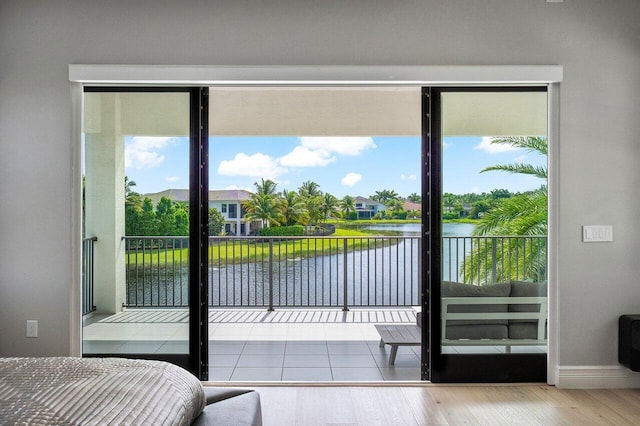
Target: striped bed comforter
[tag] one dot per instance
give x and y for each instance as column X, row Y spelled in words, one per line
column 97, row 391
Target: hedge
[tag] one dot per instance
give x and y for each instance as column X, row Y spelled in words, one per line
column 282, row 231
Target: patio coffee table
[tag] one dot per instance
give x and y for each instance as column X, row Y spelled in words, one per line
column 398, row 335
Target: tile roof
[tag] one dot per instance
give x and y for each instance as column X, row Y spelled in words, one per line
column 214, row 195
column 360, row 199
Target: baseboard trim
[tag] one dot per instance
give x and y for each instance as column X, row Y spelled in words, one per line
column 596, row 377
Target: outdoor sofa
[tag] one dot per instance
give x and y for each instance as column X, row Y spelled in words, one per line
column 510, row 314
column 505, row 314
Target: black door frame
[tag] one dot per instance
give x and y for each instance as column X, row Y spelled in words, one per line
column 196, row 361
column 456, row 368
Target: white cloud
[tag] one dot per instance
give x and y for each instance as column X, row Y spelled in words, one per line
column 475, row 190
column 410, row 177
column 142, row 152
column 304, row 157
column 172, row 178
column 340, row 145
column 494, row 148
column 446, row 145
column 256, row 165
column 521, row 158
column 351, row 179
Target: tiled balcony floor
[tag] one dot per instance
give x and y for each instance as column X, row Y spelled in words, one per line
column 255, row 345
column 289, row 345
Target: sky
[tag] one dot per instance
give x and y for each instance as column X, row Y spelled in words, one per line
column 340, row 165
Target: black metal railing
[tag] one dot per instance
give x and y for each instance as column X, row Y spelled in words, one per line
column 314, row 271
column 490, row 260
column 273, row 272
column 157, row 271
column 87, row 275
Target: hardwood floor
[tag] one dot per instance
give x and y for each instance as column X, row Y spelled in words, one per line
column 448, row 405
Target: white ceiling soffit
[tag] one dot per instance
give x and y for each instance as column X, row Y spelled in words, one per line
column 306, row 111
column 326, row 111
column 137, row 113
column 314, row 75
column 494, row 114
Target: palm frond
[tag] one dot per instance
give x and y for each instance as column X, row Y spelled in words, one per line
column 519, row 168
column 530, row 143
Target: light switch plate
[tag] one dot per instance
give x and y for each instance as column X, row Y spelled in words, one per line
column 597, row 233
column 32, row 328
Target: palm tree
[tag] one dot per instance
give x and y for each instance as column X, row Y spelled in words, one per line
column 309, row 189
column 329, row 205
column 414, row 198
column 529, row 143
column 265, row 208
column 385, row 196
column 395, row 205
column 294, row 209
column 348, row 205
column 267, row 187
column 519, row 215
column 509, row 217
column 132, row 199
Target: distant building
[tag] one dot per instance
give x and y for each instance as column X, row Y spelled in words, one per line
column 229, row 202
column 367, row 208
column 411, row 207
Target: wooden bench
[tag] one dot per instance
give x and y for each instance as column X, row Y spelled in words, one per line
column 398, row 335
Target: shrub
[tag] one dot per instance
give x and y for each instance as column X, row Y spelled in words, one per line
column 282, row 231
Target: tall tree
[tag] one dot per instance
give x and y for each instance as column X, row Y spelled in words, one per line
column 395, row 205
column 348, row 205
column 216, row 222
column 294, row 209
column 265, row 208
column 266, row 187
column 309, row 189
column 314, row 207
column 385, row 195
column 414, row 198
column 329, row 206
column 165, row 219
column 147, row 218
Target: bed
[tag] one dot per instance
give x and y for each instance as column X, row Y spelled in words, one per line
column 102, row 391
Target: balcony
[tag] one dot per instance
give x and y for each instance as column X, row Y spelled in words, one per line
column 294, row 308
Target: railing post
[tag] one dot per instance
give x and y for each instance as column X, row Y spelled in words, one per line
column 344, row 275
column 270, row 275
column 493, row 260
column 87, row 275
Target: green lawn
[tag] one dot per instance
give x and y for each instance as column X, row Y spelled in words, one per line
column 234, row 250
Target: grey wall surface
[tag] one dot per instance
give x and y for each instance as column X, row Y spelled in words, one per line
column 596, row 41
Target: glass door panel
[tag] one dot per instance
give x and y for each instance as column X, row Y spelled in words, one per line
column 136, row 223
column 489, row 298
column 314, row 237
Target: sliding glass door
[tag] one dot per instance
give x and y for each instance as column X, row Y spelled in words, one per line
column 141, row 289
column 486, row 161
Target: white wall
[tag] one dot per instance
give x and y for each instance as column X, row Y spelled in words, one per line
column 596, row 41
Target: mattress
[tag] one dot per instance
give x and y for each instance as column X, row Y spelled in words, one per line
column 97, row 391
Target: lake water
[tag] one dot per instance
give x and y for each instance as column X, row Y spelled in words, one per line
column 413, row 229
column 386, row 272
